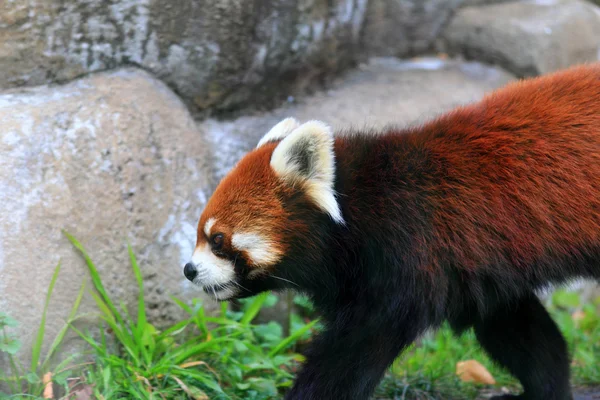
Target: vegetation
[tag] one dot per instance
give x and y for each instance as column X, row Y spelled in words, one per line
column 428, row 370
column 230, row 356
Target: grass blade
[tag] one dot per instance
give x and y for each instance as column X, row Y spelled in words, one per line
column 292, row 338
column 254, row 308
column 182, row 304
column 61, row 334
column 141, row 317
column 96, row 278
column 188, row 351
column 37, row 346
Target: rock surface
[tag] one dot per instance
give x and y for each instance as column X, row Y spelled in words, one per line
column 407, row 27
column 404, row 27
column 215, row 54
column 110, row 158
column 527, row 38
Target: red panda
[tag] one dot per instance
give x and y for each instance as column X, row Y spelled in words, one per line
column 461, row 219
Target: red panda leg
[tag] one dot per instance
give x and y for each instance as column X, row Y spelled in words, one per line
column 347, row 361
column 524, row 339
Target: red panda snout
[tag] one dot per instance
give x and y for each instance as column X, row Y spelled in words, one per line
column 215, row 275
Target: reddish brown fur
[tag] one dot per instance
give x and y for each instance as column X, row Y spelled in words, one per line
column 525, row 166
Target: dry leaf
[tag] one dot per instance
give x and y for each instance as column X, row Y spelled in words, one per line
column 192, row 364
column 84, row 393
column 191, row 391
column 473, row 371
column 578, row 316
column 47, row 382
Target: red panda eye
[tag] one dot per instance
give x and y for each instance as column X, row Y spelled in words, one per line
column 217, row 241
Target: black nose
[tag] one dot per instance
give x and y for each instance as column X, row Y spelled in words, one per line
column 190, row 271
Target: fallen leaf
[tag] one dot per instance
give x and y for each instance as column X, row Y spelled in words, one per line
column 578, row 315
column 192, row 364
column 191, row 391
column 47, row 382
column 84, row 393
column 473, row 371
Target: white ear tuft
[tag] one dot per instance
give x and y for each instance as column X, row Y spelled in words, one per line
column 306, row 155
column 279, row 131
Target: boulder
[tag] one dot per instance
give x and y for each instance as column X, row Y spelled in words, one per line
column 404, row 27
column 215, row 54
column 408, row 27
column 111, row 158
column 527, row 38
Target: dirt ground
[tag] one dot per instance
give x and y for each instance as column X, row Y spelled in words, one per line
column 587, row 394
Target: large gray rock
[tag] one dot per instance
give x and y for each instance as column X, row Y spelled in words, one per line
column 213, row 53
column 407, row 27
column 110, row 158
column 404, row 27
column 528, row 38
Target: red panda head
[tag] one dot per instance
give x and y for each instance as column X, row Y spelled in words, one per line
column 262, row 208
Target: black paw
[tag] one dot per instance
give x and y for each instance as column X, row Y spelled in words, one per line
column 507, row 397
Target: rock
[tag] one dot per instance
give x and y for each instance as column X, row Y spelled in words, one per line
column 467, row 3
column 216, row 54
column 406, row 27
column 527, row 38
column 111, row 158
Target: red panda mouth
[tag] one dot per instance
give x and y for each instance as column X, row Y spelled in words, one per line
column 213, row 289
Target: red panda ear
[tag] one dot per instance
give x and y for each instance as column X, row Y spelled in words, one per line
column 306, row 156
column 279, row 131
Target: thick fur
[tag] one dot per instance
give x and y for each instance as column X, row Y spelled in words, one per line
column 461, row 219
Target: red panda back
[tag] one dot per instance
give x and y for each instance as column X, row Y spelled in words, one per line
column 521, row 172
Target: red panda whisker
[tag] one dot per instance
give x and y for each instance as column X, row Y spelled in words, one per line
column 240, row 286
column 285, row 280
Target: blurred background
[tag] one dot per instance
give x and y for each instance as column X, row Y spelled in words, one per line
column 119, row 117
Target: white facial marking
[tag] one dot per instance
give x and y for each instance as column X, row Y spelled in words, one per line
column 311, row 143
column 225, row 294
column 279, row 131
column 260, row 250
column 212, row 270
column 208, row 226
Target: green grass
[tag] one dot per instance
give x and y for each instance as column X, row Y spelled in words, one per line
column 23, row 379
column 230, row 356
column 221, row 357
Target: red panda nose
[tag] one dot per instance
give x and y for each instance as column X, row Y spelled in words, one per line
column 190, row 271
